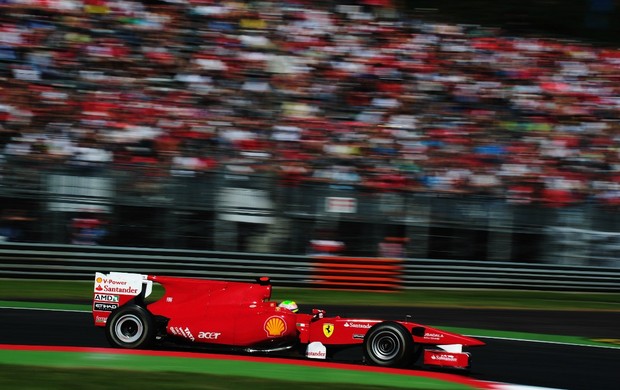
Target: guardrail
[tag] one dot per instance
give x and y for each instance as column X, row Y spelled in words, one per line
column 69, row 262
column 139, row 205
column 498, row 275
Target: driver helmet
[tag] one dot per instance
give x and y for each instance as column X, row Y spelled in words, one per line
column 288, row 304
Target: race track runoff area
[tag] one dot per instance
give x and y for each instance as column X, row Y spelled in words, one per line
column 258, row 367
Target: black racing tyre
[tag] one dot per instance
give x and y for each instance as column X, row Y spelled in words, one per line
column 130, row 327
column 389, row 344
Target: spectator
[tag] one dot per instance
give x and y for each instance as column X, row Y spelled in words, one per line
column 398, row 103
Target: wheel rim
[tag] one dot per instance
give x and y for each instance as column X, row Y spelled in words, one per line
column 129, row 328
column 385, row 345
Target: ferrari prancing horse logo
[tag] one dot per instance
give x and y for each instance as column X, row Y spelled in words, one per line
column 328, row 329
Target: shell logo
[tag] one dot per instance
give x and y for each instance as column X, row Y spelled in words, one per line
column 275, row 326
column 99, row 280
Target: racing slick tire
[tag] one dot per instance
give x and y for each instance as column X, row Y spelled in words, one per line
column 389, row 344
column 130, row 327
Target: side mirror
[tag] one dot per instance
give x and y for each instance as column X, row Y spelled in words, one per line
column 317, row 314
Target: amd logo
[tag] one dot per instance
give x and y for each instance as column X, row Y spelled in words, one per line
column 106, row 298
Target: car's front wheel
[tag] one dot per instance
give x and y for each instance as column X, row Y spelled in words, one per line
column 389, row 344
column 130, row 327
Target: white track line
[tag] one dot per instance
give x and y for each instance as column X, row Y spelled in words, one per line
column 45, row 309
column 510, row 386
column 546, row 342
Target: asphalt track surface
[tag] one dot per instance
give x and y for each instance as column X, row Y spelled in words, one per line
column 559, row 366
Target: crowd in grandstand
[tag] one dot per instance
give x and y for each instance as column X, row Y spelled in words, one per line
column 354, row 93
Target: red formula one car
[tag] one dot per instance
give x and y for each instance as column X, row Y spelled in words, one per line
column 240, row 317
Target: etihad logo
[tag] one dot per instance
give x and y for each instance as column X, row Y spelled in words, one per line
column 275, row 326
column 328, row 330
column 100, row 306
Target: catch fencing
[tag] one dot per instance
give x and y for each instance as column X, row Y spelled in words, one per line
column 69, row 262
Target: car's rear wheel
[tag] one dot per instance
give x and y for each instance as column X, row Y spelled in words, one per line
column 130, row 327
column 389, row 344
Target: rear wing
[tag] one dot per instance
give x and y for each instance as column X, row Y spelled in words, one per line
column 114, row 290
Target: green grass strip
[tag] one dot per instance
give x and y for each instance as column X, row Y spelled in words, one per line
column 228, row 368
column 43, row 378
column 50, row 291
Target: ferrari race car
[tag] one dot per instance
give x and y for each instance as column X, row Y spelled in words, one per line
column 241, row 317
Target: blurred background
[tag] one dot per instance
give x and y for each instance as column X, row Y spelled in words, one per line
column 446, row 129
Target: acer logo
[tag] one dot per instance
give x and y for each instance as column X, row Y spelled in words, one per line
column 209, row 335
